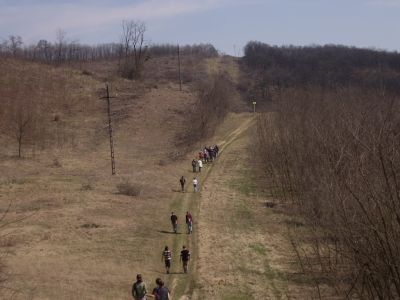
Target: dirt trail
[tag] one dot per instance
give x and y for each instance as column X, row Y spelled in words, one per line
column 181, row 285
column 240, row 248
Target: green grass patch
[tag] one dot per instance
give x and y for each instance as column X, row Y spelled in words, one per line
column 247, row 185
column 236, row 296
column 244, row 186
column 236, row 293
column 259, row 249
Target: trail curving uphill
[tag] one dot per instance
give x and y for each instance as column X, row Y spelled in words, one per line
column 182, row 286
column 240, row 248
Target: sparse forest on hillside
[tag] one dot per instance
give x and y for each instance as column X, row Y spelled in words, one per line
column 331, row 154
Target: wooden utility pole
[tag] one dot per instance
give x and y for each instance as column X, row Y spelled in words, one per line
column 179, row 68
column 110, row 130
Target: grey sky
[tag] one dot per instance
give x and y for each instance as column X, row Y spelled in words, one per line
column 228, row 24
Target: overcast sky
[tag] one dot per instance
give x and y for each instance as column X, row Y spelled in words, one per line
column 227, row 24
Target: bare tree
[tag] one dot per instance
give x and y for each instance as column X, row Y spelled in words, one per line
column 22, row 124
column 134, row 48
column 43, row 49
column 60, row 44
column 14, row 44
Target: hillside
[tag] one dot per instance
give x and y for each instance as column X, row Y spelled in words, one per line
column 261, row 228
column 68, row 230
column 330, row 147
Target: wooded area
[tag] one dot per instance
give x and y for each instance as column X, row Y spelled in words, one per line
column 330, row 152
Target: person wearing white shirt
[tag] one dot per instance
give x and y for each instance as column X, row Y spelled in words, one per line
column 200, row 164
column 195, row 184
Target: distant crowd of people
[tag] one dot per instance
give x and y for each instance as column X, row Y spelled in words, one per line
column 206, row 155
column 160, row 292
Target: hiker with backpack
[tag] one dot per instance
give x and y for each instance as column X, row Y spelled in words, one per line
column 166, row 257
column 174, row 222
column 182, row 182
column 139, row 291
column 160, row 292
column 184, row 258
column 189, row 222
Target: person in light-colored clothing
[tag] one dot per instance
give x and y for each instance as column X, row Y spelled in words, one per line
column 195, row 184
column 200, row 164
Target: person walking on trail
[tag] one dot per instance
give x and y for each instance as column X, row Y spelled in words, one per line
column 139, row 291
column 160, row 292
column 200, row 164
column 182, row 182
column 194, row 165
column 185, row 257
column 205, row 152
column 166, row 257
column 189, row 222
column 201, row 155
column 195, row 184
column 174, row 222
column 216, row 150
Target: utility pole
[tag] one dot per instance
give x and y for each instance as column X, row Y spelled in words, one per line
column 179, row 68
column 110, row 130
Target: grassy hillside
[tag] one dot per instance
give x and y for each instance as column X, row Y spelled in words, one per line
column 67, row 231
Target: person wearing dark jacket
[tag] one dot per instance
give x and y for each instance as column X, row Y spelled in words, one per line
column 182, row 182
column 194, row 165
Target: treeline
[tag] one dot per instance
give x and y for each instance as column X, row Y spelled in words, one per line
column 63, row 50
column 328, row 66
column 330, row 150
column 334, row 160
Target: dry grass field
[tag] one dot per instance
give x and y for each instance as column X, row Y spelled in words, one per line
column 70, row 234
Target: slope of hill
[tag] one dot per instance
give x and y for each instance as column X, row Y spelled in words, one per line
column 77, row 235
column 70, row 231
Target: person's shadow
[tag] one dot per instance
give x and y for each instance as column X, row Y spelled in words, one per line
column 168, row 232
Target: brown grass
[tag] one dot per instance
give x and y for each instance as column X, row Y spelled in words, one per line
column 81, row 238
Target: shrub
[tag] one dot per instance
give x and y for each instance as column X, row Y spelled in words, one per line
column 56, row 163
column 129, row 189
column 86, row 187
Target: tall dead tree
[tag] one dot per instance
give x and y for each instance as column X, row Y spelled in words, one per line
column 60, row 44
column 134, row 48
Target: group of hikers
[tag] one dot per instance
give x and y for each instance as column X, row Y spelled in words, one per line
column 184, row 258
column 208, row 154
column 160, row 292
column 195, row 181
column 139, row 290
column 188, row 220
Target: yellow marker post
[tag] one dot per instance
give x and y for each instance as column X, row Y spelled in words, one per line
column 254, row 106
